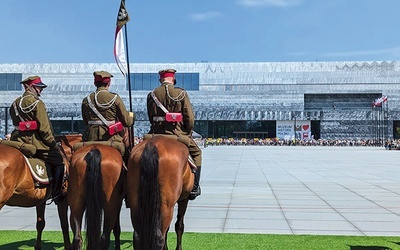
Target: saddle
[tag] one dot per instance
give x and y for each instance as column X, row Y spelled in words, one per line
column 25, row 148
column 183, row 139
column 114, row 144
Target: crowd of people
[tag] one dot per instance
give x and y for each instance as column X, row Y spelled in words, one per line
column 205, row 142
column 388, row 144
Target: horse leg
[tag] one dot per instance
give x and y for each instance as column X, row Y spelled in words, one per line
column 136, row 237
column 179, row 225
column 117, row 227
column 117, row 234
column 76, row 225
column 40, row 223
column 75, row 198
column 105, row 237
column 167, row 212
column 135, row 241
column 63, row 216
column 166, row 239
column 111, row 221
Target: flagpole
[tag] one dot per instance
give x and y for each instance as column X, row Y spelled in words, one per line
column 382, row 124
column 131, row 129
column 387, row 119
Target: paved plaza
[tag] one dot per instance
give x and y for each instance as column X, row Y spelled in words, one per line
column 281, row 190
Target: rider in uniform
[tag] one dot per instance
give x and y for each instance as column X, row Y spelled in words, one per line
column 32, row 126
column 110, row 107
column 175, row 100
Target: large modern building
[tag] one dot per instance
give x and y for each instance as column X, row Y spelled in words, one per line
column 328, row 100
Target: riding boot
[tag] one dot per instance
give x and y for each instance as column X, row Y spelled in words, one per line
column 196, row 191
column 56, row 192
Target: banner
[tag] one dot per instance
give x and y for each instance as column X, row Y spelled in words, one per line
column 119, row 44
column 378, row 102
column 289, row 130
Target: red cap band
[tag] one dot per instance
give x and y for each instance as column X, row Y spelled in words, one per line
column 102, row 79
column 167, row 74
column 35, row 81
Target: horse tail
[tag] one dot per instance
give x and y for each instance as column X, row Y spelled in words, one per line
column 94, row 198
column 148, row 219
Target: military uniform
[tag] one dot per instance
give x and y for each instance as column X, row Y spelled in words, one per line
column 29, row 107
column 175, row 100
column 110, row 106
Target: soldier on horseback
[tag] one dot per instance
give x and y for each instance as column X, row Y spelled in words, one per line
column 32, row 126
column 104, row 112
column 166, row 100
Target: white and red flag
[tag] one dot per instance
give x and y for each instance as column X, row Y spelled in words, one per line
column 119, row 44
column 378, row 102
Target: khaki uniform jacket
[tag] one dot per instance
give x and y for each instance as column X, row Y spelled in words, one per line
column 43, row 137
column 115, row 111
column 180, row 105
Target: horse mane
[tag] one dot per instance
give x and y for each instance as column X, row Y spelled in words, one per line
column 148, row 225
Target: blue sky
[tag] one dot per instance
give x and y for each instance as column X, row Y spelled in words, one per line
column 175, row 31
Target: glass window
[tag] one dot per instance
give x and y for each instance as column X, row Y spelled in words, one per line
column 155, row 81
column 150, row 81
column 138, row 81
column 3, row 82
column 10, row 81
column 13, row 82
column 195, row 81
column 146, row 80
column 179, row 80
column 187, row 80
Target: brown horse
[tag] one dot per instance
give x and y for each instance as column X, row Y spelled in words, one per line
column 95, row 185
column 17, row 188
column 158, row 177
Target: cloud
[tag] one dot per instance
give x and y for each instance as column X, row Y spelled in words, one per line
column 269, row 3
column 199, row 17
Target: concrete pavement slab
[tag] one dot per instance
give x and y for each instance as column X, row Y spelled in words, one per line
column 281, row 190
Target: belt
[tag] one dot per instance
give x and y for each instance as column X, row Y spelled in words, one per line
column 100, row 123
column 158, row 118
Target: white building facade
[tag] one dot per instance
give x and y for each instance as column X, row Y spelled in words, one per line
column 327, row 100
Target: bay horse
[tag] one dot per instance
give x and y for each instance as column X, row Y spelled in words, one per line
column 17, row 188
column 159, row 177
column 95, row 185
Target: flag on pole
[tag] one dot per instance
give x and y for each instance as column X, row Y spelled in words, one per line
column 378, row 102
column 119, row 44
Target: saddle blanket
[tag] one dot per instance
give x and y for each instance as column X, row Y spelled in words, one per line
column 39, row 170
